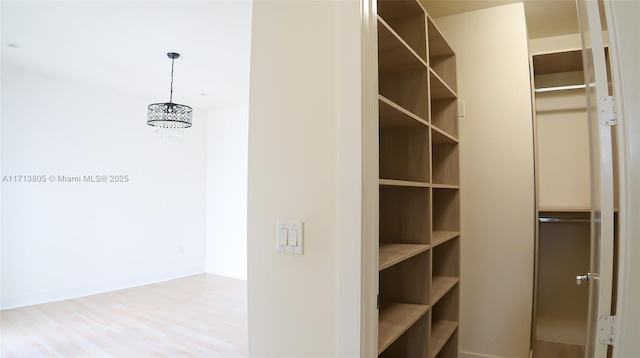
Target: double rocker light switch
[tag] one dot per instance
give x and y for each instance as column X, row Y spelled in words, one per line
column 290, row 237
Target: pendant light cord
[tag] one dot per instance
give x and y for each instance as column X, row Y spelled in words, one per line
column 171, row 94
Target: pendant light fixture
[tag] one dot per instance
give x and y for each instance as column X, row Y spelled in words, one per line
column 169, row 116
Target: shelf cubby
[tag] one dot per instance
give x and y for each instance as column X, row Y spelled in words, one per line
column 402, row 74
column 446, row 309
column 406, row 282
column 444, row 323
column 440, row 89
column 444, row 115
column 393, row 115
column 444, row 106
column 442, row 59
column 407, row 19
column 404, row 145
column 440, row 285
column 404, row 215
column 445, row 159
column 445, row 269
column 446, row 258
column 405, row 340
column 408, row 89
column 446, row 209
column 405, row 154
column 394, row 54
column 450, row 347
column 404, row 299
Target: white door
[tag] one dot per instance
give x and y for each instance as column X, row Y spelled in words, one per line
column 602, row 222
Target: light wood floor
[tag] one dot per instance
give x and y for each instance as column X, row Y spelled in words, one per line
column 198, row 316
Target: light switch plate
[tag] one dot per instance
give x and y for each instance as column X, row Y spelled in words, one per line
column 286, row 242
column 461, row 108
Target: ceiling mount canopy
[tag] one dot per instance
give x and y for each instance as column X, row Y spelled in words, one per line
column 169, row 115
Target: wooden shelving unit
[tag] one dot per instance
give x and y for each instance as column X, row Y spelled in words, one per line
column 419, row 243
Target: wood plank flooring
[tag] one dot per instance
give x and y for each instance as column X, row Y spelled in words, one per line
column 197, row 316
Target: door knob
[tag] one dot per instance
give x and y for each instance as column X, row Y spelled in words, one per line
column 582, row 278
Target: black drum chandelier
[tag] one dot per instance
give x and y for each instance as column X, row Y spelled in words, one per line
column 169, row 115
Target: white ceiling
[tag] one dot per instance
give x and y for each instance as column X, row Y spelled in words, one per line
column 545, row 18
column 123, row 44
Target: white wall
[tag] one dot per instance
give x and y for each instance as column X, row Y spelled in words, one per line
column 62, row 240
column 350, row 173
column 564, row 176
column 497, row 181
column 227, row 146
column 298, row 171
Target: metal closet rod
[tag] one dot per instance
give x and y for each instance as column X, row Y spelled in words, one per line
column 563, row 220
column 558, row 88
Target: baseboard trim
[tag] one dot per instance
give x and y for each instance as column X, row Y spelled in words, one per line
column 17, row 301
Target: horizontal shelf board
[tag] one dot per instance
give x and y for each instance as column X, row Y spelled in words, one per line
column 438, row 136
column 393, row 52
column 439, row 237
column 393, row 115
column 413, row 184
column 439, row 89
column 445, row 186
column 395, row 319
column 441, row 331
column 391, row 254
column 440, row 285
